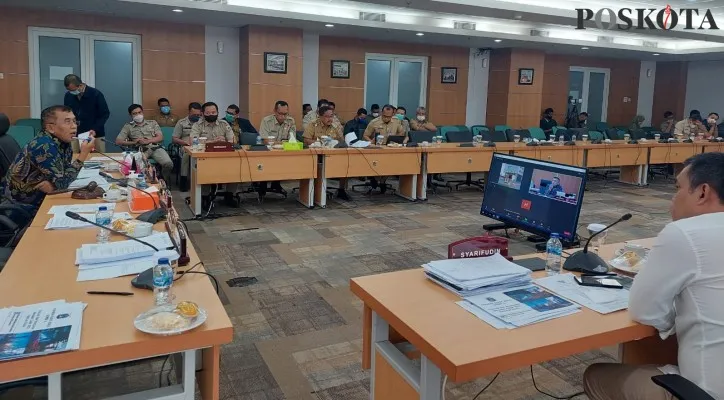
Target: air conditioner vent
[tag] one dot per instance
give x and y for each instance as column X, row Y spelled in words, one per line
column 539, row 33
column 377, row 17
column 470, row 26
column 647, row 43
column 604, row 39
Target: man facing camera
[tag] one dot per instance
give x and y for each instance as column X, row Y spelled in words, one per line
column 146, row 135
column 554, row 187
column 89, row 107
column 385, row 126
column 46, row 163
column 680, row 290
column 210, row 127
column 326, row 125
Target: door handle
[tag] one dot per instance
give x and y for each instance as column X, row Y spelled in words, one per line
column 470, row 160
column 259, row 167
column 374, row 163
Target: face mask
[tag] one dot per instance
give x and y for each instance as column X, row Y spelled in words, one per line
column 194, row 118
column 165, row 109
column 211, row 118
column 229, row 118
column 138, row 118
column 420, row 117
column 74, row 92
column 375, row 115
column 712, row 121
column 400, row 116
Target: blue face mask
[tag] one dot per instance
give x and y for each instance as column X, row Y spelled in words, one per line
column 229, row 118
column 194, row 118
column 74, row 92
column 165, row 109
column 400, row 116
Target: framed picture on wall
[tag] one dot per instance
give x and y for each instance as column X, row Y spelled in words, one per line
column 275, row 63
column 525, row 76
column 340, row 69
column 449, row 75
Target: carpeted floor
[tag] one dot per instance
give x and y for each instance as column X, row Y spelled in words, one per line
column 297, row 332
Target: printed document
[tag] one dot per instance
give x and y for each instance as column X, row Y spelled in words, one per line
column 95, row 253
column 600, row 300
column 80, row 208
column 61, row 221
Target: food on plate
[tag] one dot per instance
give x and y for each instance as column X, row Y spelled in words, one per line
column 188, row 309
column 167, row 321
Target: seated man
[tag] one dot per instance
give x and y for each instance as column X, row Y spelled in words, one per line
column 358, row 124
column 547, row 122
column 146, row 135
column 401, row 114
column 385, row 126
column 554, row 187
column 374, row 113
column 312, row 115
column 668, row 125
column 326, row 126
column 182, row 137
column 679, row 291
column 582, row 120
column 165, row 118
column 238, row 124
column 46, row 163
column 690, row 127
column 279, row 124
column 421, row 123
column 711, row 125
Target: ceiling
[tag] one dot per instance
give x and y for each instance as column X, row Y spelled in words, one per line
column 511, row 22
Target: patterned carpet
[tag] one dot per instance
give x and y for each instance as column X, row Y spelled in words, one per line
column 297, row 328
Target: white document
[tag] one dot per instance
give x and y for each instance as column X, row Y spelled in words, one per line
column 523, row 306
column 89, row 173
column 83, row 136
column 471, row 269
column 494, row 322
column 57, row 73
column 62, row 222
column 121, row 250
column 80, row 208
column 104, row 159
column 82, row 182
column 94, row 272
column 39, row 329
column 600, row 300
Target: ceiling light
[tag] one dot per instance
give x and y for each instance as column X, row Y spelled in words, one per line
column 498, row 40
column 329, row 25
column 177, row 10
column 420, row 34
column 584, row 48
column 656, row 54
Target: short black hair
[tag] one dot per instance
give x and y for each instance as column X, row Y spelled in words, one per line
column 713, row 113
column 281, row 103
column 584, row 113
column 707, row 168
column 375, row 107
column 133, row 107
column 305, row 105
column 331, row 104
column 388, row 107
column 162, row 100
column 548, row 110
column 194, row 106
column 72, row 79
column 49, row 113
column 321, row 102
column 361, row 111
column 402, row 108
column 234, row 107
column 694, row 114
column 668, row 114
column 209, row 104
column 324, row 109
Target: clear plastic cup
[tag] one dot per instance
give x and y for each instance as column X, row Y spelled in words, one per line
column 584, row 138
column 379, row 139
column 626, row 137
column 202, row 143
column 438, row 140
column 516, row 138
column 657, row 136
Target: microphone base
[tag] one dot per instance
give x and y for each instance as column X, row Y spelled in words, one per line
column 153, row 216
column 144, row 280
column 589, row 263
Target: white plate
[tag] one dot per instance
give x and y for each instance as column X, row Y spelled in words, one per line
column 143, row 321
column 627, row 270
column 122, row 199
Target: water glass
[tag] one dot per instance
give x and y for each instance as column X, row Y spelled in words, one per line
column 202, row 143
column 626, row 137
column 270, row 141
column 584, row 138
column 379, row 139
column 657, row 136
column 477, row 139
column 561, row 139
column 438, row 140
column 516, row 138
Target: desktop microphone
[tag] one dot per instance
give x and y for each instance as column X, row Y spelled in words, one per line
column 583, row 261
column 151, row 216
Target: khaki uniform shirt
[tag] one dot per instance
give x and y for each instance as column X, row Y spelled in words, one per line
column 148, row 129
column 688, row 128
column 425, row 125
column 312, row 116
column 169, row 120
column 379, row 127
column 182, row 130
column 316, row 130
column 211, row 131
column 271, row 127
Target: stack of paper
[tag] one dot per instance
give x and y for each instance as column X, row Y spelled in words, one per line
column 80, row 208
column 40, row 329
column 513, row 308
column 472, row 276
column 126, row 257
column 600, row 300
column 61, row 221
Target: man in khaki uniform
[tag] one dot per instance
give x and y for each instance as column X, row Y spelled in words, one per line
column 314, row 114
column 165, row 118
column 182, row 138
column 326, row 126
column 421, row 123
column 145, row 134
column 385, row 125
column 280, row 124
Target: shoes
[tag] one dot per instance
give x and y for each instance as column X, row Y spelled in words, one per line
column 231, row 200
column 373, row 183
column 342, row 194
column 383, row 188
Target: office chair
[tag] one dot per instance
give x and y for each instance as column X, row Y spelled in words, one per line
column 522, row 133
column 638, row 134
column 537, row 133
column 35, row 123
column 498, row 136
column 427, row 136
column 463, row 137
column 680, row 387
column 613, row 134
column 479, row 130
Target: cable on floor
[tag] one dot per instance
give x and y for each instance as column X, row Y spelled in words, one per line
column 487, row 386
column 160, row 373
column 216, row 282
column 532, row 377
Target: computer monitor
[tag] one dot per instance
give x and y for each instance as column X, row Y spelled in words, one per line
column 536, row 196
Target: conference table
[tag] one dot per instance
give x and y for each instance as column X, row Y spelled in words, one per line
column 426, row 322
column 314, row 166
column 42, row 268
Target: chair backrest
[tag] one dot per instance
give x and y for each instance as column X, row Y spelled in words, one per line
column 31, row 122
column 648, row 129
column 167, row 135
column 300, row 136
column 557, row 128
column 601, row 126
column 537, row 133
column 479, row 129
column 9, row 148
column 444, row 129
column 459, row 136
column 502, row 127
column 522, row 133
column 421, row 136
column 248, row 138
column 462, row 127
column 498, row 136
column 22, row 134
column 595, row 135
column 613, row 134
column 638, row 134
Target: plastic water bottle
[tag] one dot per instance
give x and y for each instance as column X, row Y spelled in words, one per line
column 162, row 282
column 554, row 249
column 195, row 144
column 561, row 139
column 259, row 140
column 103, row 217
column 141, row 182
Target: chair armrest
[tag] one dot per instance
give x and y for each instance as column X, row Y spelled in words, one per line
column 680, row 387
column 15, row 208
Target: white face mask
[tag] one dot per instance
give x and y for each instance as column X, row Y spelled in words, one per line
column 375, row 115
column 138, row 118
column 420, row 117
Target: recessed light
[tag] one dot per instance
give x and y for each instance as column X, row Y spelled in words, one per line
column 584, row 48
column 498, row 40
column 177, row 10
column 420, row 34
column 329, row 25
column 656, row 54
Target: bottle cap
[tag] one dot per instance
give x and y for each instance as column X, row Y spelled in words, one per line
column 554, row 235
column 102, row 208
column 163, row 260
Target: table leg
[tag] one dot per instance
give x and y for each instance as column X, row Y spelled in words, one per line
column 366, row 337
column 408, row 187
column 422, row 179
column 208, row 377
column 306, row 192
column 55, row 390
column 320, row 183
column 630, row 174
column 650, row 350
column 195, row 189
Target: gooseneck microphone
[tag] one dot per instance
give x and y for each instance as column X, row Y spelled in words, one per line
column 78, row 217
column 591, row 263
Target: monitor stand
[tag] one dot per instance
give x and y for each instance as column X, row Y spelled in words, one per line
column 499, row 226
column 566, row 245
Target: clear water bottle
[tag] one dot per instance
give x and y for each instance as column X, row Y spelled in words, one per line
column 195, row 144
column 561, row 140
column 162, row 282
column 259, row 140
column 141, row 182
column 103, row 217
column 554, row 249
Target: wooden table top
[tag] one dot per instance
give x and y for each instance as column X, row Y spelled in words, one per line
column 465, row 347
column 42, row 268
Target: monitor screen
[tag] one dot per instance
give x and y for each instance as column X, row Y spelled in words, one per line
column 537, row 196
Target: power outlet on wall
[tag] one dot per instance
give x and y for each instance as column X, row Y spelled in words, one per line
column 2, row 75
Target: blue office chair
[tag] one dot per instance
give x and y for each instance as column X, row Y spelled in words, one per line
column 22, row 134
column 479, row 130
column 247, row 138
column 421, row 136
column 537, row 133
column 34, row 123
column 463, row 137
column 522, row 134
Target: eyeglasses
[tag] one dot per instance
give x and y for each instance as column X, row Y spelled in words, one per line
column 67, row 121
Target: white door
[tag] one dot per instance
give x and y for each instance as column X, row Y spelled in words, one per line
column 589, row 88
column 395, row 79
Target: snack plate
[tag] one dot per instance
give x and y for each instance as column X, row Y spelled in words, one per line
column 627, row 270
column 163, row 321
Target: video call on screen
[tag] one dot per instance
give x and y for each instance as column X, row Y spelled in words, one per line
column 542, row 196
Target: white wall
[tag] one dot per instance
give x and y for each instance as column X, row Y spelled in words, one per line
column 310, row 68
column 704, row 88
column 477, row 89
column 222, row 69
column 645, row 104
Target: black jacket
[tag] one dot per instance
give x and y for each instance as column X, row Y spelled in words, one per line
column 91, row 110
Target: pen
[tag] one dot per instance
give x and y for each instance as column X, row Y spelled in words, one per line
column 111, row 293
